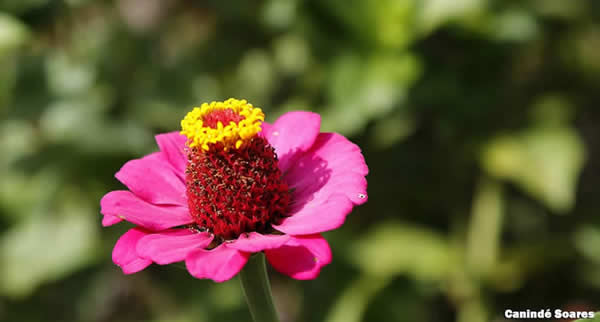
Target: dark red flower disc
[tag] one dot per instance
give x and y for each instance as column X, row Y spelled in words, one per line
column 234, row 191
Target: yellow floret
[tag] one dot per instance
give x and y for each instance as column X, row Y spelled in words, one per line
column 230, row 135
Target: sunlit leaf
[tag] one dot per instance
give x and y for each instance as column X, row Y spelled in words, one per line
column 279, row 14
column 80, row 122
column 390, row 130
column 394, row 22
column 13, row 33
column 595, row 319
column 362, row 90
column 291, row 54
column 23, row 195
column 560, row 9
column 483, row 243
column 67, row 76
column 45, row 247
column 434, row 13
column 255, row 77
column 545, row 162
column 515, row 25
column 397, row 248
column 353, row 302
column 587, row 241
column 17, row 140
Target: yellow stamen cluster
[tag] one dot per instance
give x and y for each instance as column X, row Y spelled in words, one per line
column 230, row 135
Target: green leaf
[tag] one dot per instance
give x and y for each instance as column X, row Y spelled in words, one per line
column 543, row 161
column 80, row 122
column 483, row 243
column 67, row 76
column 45, row 248
column 566, row 10
column 353, row 302
column 515, row 25
column 595, row 319
column 587, row 242
column 393, row 248
column 21, row 6
column 392, row 129
column 17, row 140
column 13, row 33
column 434, row 13
column 389, row 249
column 22, row 195
column 361, row 90
column 255, row 77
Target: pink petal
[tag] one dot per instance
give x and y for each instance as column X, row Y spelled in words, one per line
column 124, row 254
column 301, row 257
column 153, row 179
column 292, row 134
column 171, row 246
column 128, row 206
column 255, row 242
column 328, row 180
column 219, row 264
column 172, row 145
column 110, row 220
column 318, row 215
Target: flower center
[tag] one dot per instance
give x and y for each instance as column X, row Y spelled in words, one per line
column 223, row 116
column 230, row 123
column 234, row 184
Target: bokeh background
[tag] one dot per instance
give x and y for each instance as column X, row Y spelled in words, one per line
column 479, row 120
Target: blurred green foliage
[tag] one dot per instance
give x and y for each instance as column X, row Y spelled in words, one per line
column 596, row 318
column 478, row 119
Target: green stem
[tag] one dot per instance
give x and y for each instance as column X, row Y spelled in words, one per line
column 257, row 289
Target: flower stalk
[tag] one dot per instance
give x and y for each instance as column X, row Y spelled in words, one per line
column 257, row 289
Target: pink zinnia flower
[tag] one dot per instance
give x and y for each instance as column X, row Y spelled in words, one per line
column 229, row 185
